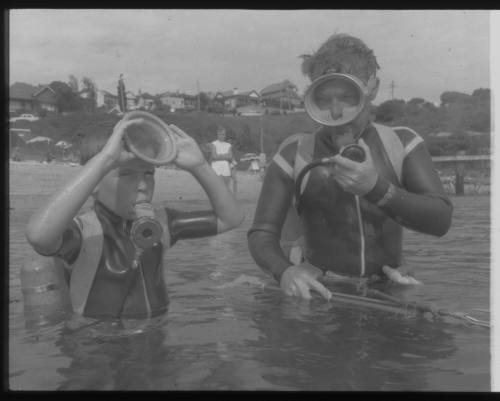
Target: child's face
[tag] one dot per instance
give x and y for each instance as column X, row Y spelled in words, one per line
column 221, row 136
column 123, row 187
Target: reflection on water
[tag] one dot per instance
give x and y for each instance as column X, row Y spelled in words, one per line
column 228, row 328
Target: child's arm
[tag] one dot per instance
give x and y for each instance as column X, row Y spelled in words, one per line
column 47, row 225
column 228, row 210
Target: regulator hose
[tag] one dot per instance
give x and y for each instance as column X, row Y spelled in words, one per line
column 352, row 151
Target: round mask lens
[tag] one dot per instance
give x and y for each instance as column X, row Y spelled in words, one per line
column 334, row 100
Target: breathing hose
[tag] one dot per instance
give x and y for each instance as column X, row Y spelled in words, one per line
column 353, row 152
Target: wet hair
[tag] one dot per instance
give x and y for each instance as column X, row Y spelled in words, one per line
column 341, row 53
column 93, row 140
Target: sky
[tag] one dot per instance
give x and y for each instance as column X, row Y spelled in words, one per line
column 424, row 52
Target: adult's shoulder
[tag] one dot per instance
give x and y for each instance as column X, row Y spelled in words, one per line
column 287, row 151
column 289, row 145
column 408, row 137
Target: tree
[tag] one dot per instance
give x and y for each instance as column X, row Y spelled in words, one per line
column 390, row 110
column 482, row 94
column 73, row 83
column 89, row 94
column 204, row 101
column 451, row 97
column 67, row 100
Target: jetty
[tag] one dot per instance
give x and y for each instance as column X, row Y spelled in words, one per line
column 459, row 164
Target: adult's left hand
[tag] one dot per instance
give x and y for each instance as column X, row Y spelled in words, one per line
column 400, row 276
column 354, row 177
column 189, row 155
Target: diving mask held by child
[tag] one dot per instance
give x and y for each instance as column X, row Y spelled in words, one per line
column 152, row 140
column 336, row 99
column 145, row 232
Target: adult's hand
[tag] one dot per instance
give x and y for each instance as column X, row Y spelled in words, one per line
column 299, row 280
column 396, row 276
column 354, row 177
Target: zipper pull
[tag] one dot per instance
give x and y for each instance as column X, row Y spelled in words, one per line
column 137, row 258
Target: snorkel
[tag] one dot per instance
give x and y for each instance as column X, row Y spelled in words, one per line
column 145, row 232
column 335, row 100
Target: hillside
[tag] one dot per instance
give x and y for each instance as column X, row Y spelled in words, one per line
column 243, row 132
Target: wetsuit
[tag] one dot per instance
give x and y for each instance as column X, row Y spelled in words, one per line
column 342, row 232
column 117, row 289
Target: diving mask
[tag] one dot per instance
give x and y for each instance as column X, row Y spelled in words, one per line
column 152, row 140
column 335, row 99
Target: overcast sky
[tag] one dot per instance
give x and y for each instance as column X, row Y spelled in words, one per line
column 424, row 52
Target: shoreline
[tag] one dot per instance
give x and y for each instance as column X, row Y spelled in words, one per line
column 39, row 179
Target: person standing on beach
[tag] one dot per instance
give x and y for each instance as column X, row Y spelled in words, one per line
column 222, row 157
column 110, row 271
column 342, row 215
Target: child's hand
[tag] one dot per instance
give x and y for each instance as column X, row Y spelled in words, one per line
column 189, row 155
column 114, row 148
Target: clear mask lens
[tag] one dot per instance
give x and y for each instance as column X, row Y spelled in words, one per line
column 335, row 99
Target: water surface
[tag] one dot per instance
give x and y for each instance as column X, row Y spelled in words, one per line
column 228, row 329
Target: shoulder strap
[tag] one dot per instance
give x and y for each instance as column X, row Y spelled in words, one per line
column 85, row 267
column 292, row 229
column 304, row 156
column 393, row 147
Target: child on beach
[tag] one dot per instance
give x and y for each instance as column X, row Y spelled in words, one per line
column 108, row 274
column 222, row 156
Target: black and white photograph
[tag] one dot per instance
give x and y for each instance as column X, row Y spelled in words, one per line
column 251, row 200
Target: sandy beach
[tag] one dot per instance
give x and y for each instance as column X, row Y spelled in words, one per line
column 30, row 181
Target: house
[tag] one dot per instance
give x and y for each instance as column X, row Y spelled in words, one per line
column 46, row 99
column 234, row 99
column 26, row 97
column 21, row 97
column 146, row 101
column 106, row 99
column 173, row 100
column 131, row 100
column 190, row 101
column 283, row 95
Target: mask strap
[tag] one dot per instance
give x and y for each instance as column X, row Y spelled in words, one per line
column 371, row 84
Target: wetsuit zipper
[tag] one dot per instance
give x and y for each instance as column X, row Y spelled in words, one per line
column 362, row 236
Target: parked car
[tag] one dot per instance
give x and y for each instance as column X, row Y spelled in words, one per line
column 28, row 117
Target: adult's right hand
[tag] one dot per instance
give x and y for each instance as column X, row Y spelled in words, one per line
column 299, row 280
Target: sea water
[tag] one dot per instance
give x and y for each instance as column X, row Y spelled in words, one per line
column 227, row 328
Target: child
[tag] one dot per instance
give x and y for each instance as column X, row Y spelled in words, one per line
column 222, row 156
column 108, row 277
